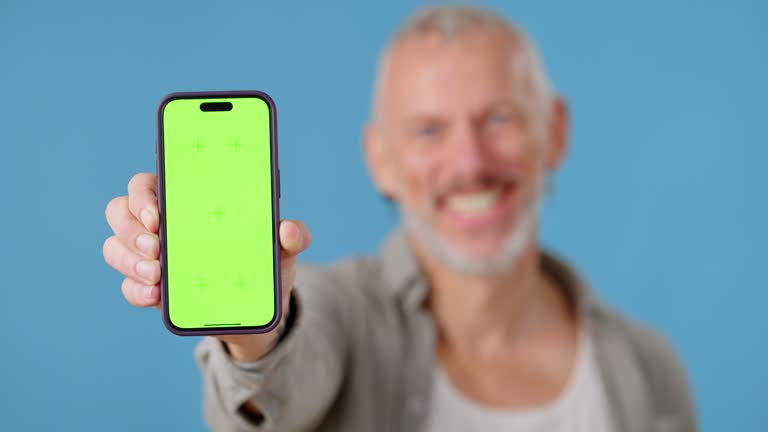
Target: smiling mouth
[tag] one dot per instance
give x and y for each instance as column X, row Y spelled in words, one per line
column 482, row 203
column 473, row 203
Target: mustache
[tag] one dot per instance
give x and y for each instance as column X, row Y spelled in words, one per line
column 459, row 185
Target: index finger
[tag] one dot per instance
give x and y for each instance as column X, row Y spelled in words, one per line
column 142, row 200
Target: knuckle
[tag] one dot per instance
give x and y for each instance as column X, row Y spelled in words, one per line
column 132, row 182
column 129, row 291
column 118, row 256
column 136, row 179
column 113, row 207
column 124, row 289
column 111, row 250
column 142, row 181
column 105, row 249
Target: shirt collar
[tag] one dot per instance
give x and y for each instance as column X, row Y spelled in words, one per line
column 401, row 269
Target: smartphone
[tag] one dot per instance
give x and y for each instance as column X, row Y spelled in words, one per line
column 218, row 193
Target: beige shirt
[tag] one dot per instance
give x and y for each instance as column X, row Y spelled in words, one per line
column 360, row 356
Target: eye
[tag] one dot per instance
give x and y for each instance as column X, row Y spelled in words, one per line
column 426, row 131
column 499, row 118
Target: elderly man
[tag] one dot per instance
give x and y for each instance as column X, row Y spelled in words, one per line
column 462, row 322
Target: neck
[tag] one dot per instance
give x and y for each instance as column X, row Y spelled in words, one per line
column 489, row 313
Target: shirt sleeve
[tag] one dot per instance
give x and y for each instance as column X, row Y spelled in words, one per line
column 294, row 384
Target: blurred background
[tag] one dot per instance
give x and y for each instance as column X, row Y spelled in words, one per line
column 661, row 203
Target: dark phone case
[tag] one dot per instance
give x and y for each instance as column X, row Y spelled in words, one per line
column 275, row 214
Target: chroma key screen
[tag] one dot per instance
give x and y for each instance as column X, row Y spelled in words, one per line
column 218, row 213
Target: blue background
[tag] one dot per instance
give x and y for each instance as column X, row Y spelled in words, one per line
column 661, row 203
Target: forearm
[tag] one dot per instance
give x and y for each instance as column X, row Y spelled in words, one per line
column 282, row 387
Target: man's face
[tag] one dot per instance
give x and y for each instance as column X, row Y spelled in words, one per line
column 459, row 147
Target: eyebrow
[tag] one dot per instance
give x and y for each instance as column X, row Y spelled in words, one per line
column 412, row 123
column 418, row 119
column 504, row 104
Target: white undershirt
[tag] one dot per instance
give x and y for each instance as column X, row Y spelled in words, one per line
column 581, row 407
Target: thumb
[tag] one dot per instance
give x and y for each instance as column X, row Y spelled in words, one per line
column 294, row 238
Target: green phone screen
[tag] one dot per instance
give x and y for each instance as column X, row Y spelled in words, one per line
column 218, row 213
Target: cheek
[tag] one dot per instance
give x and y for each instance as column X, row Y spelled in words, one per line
column 512, row 145
column 525, row 154
column 522, row 157
column 416, row 177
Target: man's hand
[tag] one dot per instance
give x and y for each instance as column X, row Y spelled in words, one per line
column 134, row 251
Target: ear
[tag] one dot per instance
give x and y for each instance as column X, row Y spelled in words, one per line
column 378, row 160
column 559, row 130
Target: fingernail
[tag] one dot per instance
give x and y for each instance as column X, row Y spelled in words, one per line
column 298, row 240
column 286, row 238
column 292, row 234
column 146, row 217
column 145, row 243
column 145, row 269
column 150, row 292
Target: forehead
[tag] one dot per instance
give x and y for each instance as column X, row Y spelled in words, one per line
column 429, row 74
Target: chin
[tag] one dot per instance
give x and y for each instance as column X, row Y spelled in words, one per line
column 479, row 254
column 477, row 248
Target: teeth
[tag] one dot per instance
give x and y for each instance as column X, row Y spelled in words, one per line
column 473, row 203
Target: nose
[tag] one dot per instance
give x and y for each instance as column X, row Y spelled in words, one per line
column 468, row 154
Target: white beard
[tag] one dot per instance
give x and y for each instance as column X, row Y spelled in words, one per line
column 513, row 246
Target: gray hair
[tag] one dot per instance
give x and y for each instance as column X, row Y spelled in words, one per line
column 453, row 21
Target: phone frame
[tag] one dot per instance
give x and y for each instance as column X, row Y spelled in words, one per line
column 275, row 177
